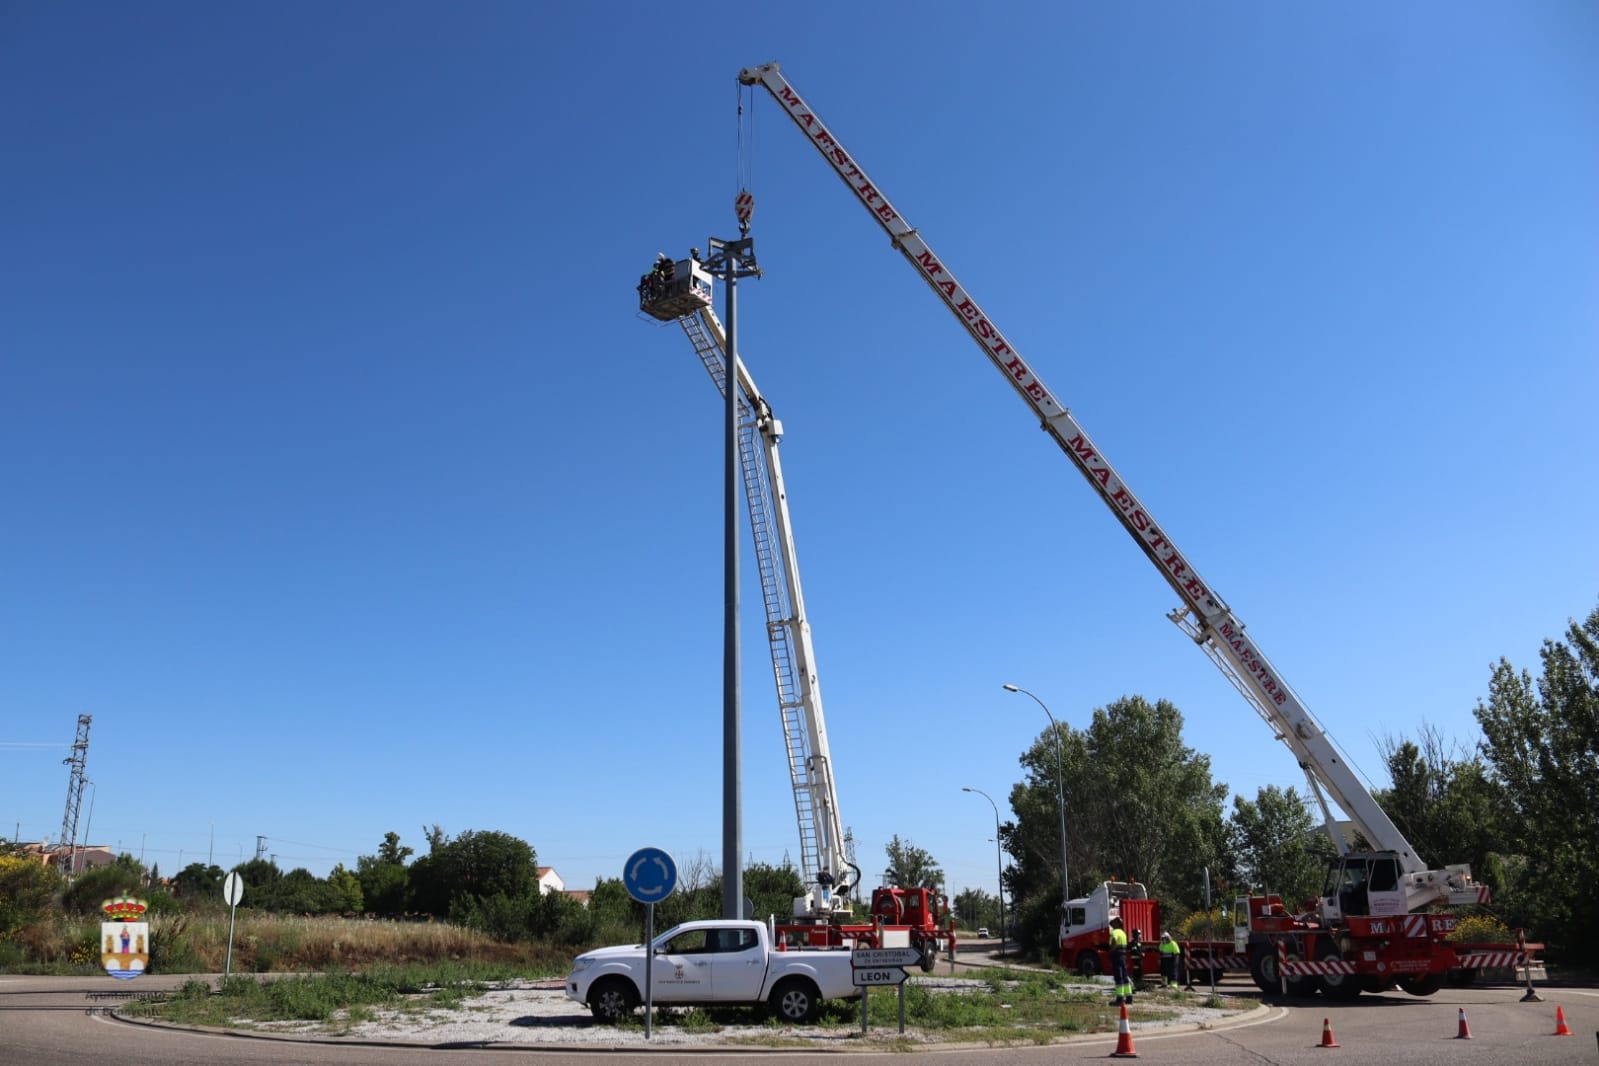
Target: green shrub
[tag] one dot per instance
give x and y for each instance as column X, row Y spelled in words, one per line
column 171, row 950
column 94, row 887
column 1482, row 929
column 26, row 887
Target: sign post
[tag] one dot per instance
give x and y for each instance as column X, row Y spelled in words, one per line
column 650, row 876
column 232, row 893
column 882, row 966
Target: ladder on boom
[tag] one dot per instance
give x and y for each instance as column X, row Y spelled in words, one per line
column 822, row 843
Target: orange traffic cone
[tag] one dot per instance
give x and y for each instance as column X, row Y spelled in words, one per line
column 1465, row 1030
column 1326, row 1034
column 1124, row 1039
column 1560, row 1023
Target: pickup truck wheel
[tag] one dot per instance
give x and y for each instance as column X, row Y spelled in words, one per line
column 613, row 999
column 795, row 1001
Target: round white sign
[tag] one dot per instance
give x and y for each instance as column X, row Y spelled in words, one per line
column 232, row 889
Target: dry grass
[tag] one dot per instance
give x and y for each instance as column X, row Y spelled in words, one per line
column 198, row 943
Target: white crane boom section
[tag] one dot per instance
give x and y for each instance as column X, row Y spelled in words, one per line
column 1204, row 616
column 799, row 693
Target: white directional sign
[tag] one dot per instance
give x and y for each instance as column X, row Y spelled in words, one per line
column 875, row 958
column 880, row 975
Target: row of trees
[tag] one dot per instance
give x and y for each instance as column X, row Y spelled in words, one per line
column 1521, row 805
column 482, row 879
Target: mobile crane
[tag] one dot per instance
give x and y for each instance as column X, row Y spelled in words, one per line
column 681, row 291
column 1371, row 926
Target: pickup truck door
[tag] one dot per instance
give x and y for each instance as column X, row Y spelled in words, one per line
column 738, row 965
column 682, row 971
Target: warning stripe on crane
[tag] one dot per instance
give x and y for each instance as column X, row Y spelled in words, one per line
column 1415, row 925
column 1484, row 959
column 1325, row 966
column 1218, row 962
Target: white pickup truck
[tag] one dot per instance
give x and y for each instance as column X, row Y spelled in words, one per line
column 712, row 962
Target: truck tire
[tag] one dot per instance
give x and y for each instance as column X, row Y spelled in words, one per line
column 795, row 1001
column 929, row 950
column 612, row 999
column 1263, row 968
column 1425, row 985
column 1268, row 978
column 1088, row 964
column 1335, row 985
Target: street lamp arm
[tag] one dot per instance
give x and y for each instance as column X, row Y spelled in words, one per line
column 1060, row 785
column 999, row 857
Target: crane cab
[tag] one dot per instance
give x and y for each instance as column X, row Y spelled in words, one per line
column 681, row 290
column 1363, row 883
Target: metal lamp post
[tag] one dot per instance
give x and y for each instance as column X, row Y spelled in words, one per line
column 1060, row 788
column 999, row 857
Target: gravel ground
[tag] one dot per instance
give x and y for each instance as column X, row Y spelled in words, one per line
column 540, row 1013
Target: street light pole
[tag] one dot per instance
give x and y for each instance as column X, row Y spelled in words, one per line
column 999, row 858
column 1060, row 789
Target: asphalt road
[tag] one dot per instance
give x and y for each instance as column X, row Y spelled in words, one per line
column 59, row 1020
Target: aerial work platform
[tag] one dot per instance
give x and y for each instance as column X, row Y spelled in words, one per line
column 682, row 288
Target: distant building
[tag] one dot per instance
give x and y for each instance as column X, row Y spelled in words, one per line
column 550, row 881
column 85, row 856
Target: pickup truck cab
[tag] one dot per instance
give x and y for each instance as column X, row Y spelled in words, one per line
column 701, row 963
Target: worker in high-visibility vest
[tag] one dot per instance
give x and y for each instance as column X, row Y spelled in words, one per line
column 1170, row 955
column 1118, row 963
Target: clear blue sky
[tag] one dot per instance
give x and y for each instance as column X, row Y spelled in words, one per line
column 348, row 493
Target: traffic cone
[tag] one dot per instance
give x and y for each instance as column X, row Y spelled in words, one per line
column 1560, row 1023
column 1465, row 1030
column 1326, row 1034
column 1124, row 1039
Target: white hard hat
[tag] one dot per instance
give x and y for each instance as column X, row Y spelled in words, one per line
column 1165, row 936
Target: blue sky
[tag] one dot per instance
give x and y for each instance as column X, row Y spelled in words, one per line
column 349, row 494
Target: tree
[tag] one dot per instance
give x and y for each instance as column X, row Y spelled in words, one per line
column 200, row 883
column 26, row 888
column 975, row 908
column 390, row 850
column 1444, row 801
column 476, row 865
column 93, row 887
column 1140, row 805
column 346, row 889
column 1542, row 745
column 912, row 867
column 1275, row 845
column 383, row 877
column 260, row 877
column 301, row 892
column 771, row 889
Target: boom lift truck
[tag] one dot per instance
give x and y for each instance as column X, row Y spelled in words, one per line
column 823, row 916
column 1374, row 923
